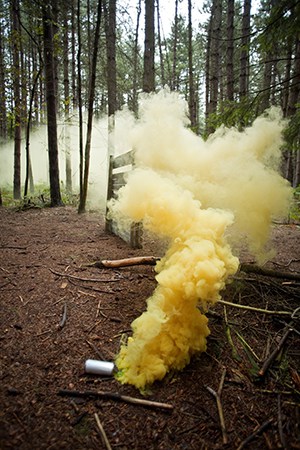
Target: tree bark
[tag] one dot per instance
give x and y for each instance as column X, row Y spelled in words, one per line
column 80, row 116
column 244, row 55
column 161, row 56
column 192, row 95
column 51, row 107
column 294, row 95
column 17, row 98
column 110, row 28
column 214, row 61
column 230, row 50
column 73, row 50
column 149, row 72
column 3, row 113
column 83, row 193
column 135, row 61
column 68, row 167
column 174, row 78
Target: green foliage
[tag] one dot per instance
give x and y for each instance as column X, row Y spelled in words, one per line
column 41, row 198
column 295, row 209
column 292, row 131
column 233, row 114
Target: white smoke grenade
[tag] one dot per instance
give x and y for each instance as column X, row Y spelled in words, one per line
column 96, row 367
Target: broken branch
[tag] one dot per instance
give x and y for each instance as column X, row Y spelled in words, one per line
column 252, row 308
column 102, row 431
column 99, row 354
column 217, row 396
column 64, row 317
column 115, row 396
column 251, row 268
column 74, row 277
column 269, row 361
column 259, row 430
column 135, row 261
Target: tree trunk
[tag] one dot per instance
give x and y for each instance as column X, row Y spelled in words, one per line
column 244, row 55
column 230, row 50
column 287, row 77
column 110, row 28
column 192, row 95
column 17, row 98
column 149, row 72
column 268, row 71
column 294, row 97
column 51, row 107
column 135, row 61
column 83, row 194
column 79, row 96
column 174, row 78
column 67, row 108
column 73, row 50
column 161, row 56
column 207, row 73
column 29, row 175
column 214, row 70
column 3, row 114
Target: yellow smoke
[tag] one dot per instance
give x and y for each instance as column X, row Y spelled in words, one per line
column 197, row 194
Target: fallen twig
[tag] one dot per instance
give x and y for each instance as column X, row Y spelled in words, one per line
column 64, row 317
column 115, row 396
column 251, row 268
column 92, row 288
column 252, row 308
column 102, row 431
column 234, row 351
column 95, row 350
column 270, row 359
column 280, row 427
column 135, row 261
column 259, row 430
column 217, row 396
column 96, row 280
column 275, row 352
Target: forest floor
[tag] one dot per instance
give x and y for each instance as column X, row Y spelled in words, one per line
column 51, row 323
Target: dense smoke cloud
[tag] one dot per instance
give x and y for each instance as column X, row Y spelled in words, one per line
column 201, row 196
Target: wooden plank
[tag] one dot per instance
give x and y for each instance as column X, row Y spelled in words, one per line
column 123, row 160
column 110, row 194
column 118, row 179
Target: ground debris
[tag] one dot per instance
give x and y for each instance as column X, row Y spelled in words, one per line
column 39, row 357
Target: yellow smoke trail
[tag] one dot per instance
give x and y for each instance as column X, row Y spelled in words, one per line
column 191, row 192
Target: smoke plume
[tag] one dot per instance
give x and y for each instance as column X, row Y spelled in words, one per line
column 201, row 196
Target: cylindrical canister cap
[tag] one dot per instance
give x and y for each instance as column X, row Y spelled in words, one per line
column 99, row 367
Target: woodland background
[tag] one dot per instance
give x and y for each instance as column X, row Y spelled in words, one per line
column 80, row 60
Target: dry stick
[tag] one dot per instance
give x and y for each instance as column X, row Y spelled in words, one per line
column 103, row 291
column 95, row 350
column 115, row 396
column 280, row 428
column 97, row 280
column 252, row 308
column 64, row 317
column 103, row 434
column 98, row 309
column 135, row 261
column 274, row 353
column 234, row 351
column 217, row 396
column 252, row 436
column 250, row 268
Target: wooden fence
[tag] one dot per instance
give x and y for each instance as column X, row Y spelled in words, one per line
column 118, row 167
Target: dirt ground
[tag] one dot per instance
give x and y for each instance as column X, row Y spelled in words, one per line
column 41, row 355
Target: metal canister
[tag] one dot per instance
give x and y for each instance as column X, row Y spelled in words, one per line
column 99, row 367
